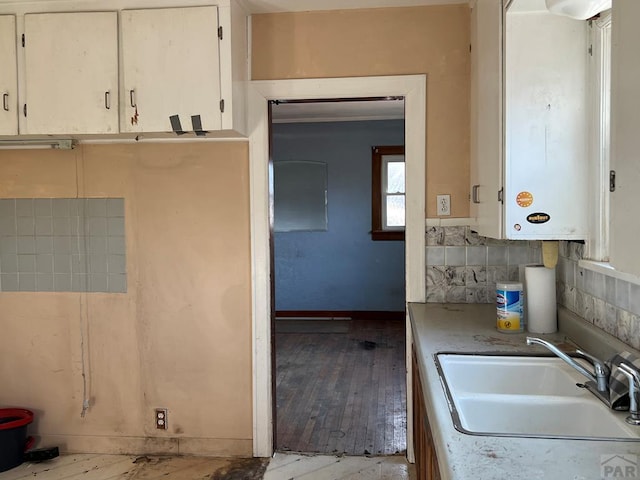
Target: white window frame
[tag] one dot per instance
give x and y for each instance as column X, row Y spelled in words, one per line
column 596, row 256
column 386, row 159
column 597, row 249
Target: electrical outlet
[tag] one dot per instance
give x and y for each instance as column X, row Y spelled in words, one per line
column 161, row 418
column 444, row 205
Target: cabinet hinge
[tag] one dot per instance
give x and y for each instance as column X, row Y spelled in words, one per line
column 222, row 105
column 220, row 33
column 590, row 50
column 501, row 195
column 24, row 109
column 612, row 180
column 23, row 42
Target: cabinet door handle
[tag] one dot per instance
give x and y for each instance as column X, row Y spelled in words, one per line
column 107, row 100
column 475, row 194
column 132, row 98
column 5, row 102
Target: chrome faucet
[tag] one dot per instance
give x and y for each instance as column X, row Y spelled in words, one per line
column 600, row 377
column 634, row 385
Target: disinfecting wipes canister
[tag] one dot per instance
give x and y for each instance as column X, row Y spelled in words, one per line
column 509, row 303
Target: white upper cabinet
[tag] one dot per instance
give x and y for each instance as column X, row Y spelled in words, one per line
column 150, row 70
column 486, row 116
column 171, row 70
column 625, row 135
column 529, row 122
column 8, row 76
column 546, row 126
column 71, row 73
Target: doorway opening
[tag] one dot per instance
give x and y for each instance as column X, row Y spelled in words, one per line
column 413, row 89
column 339, row 291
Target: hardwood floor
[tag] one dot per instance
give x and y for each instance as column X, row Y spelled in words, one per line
column 342, row 393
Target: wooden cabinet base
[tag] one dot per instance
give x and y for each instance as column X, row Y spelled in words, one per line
column 426, row 459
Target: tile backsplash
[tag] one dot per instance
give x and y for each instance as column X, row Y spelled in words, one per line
column 609, row 303
column 62, row 245
column 463, row 267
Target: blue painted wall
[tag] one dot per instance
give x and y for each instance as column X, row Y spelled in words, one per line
column 342, row 268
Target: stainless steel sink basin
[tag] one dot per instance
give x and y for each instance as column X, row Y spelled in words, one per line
column 526, row 396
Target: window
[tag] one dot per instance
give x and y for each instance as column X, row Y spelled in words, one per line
column 387, row 193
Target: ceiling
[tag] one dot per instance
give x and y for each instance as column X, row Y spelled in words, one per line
column 338, row 111
column 271, row 6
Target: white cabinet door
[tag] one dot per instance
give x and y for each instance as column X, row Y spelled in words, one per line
column 170, row 61
column 71, row 73
column 625, row 136
column 8, row 76
column 528, row 116
column 546, row 157
column 486, row 116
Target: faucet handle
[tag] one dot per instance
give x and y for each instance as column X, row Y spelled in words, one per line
column 600, row 367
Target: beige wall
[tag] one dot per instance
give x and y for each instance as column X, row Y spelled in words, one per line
column 389, row 41
column 180, row 337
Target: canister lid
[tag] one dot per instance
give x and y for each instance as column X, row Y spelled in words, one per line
column 509, row 286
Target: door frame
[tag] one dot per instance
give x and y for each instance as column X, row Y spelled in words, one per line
column 414, row 89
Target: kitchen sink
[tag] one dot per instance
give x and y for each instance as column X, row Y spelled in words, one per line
column 509, row 375
column 526, row 396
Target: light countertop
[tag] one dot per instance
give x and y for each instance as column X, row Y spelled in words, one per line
column 471, row 328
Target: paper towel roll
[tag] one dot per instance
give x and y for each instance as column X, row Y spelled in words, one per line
column 522, row 279
column 541, row 299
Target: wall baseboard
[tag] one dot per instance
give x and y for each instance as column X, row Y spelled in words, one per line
column 339, row 315
column 104, row 444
